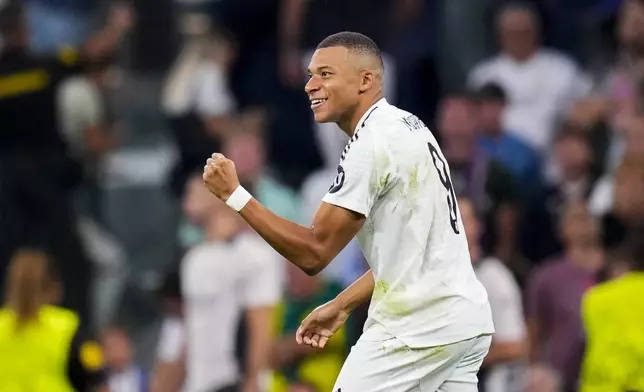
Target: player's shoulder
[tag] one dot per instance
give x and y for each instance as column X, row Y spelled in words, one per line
column 387, row 120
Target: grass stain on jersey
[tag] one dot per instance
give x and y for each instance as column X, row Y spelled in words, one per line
column 380, row 289
column 413, row 178
column 390, row 301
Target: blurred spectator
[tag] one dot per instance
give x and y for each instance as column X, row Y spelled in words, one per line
column 555, row 291
column 627, row 212
column 500, row 144
column 492, row 189
column 573, row 159
column 248, row 152
column 293, row 361
column 503, row 368
column 57, row 23
column 541, row 84
column 602, row 198
column 305, row 23
column 613, row 325
column 169, row 369
column 247, row 280
column 196, row 98
column 620, row 92
column 38, row 175
column 88, row 129
column 123, row 374
column 32, row 327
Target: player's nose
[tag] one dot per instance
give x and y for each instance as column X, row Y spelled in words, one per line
column 312, row 85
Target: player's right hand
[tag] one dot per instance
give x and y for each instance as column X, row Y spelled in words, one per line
column 316, row 329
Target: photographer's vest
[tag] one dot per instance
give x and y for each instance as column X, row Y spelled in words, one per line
column 34, row 356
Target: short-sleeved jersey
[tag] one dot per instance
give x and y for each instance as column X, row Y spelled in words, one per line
column 393, row 172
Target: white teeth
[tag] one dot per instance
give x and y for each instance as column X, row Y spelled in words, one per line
column 317, row 101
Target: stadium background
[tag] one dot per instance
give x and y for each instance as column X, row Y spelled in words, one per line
column 193, row 76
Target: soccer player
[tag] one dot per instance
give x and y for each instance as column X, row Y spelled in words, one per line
column 429, row 322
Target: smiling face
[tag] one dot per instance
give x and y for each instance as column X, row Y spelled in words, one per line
column 335, row 84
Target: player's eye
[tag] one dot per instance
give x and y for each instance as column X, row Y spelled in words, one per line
column 325, row 74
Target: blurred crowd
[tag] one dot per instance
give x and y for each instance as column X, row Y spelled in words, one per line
column 538, row 107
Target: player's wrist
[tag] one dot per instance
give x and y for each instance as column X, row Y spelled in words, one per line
column 238, row 198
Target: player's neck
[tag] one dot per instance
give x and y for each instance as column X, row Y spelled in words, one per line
column 349, row 125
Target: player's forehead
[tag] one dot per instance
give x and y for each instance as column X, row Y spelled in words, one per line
column 333, row 58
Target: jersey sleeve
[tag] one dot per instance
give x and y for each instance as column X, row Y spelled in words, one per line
column 354, row 187
column 85, row 365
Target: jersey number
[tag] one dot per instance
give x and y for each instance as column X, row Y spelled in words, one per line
column 447, row 183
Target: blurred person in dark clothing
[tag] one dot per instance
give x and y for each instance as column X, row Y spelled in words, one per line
column 573, row 158
column 33, row 328
column 504, row 366
column 492, row 189
column 197, row 101
column 613, row 320
column 36, row 172
column 627, row 212
column 555, row 292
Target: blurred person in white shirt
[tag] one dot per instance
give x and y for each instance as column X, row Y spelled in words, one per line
column 541, row 83
column 504, row 366
column 234, row 273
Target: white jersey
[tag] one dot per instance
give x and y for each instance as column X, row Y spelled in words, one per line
column 393, row 172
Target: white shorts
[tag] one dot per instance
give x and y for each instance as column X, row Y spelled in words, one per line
column 378, row 364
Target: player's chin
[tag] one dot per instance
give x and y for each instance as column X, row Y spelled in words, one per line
column 322, row 116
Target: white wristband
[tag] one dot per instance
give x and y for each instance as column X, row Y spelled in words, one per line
column 239, row 198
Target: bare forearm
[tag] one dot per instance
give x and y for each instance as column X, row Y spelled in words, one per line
column 359, row 292
column 295, row 242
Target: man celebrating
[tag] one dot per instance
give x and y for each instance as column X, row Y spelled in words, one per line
column 429, row 321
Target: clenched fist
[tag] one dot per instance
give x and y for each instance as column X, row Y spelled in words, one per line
column 220, row 176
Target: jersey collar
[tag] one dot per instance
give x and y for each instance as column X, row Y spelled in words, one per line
column 365, row 116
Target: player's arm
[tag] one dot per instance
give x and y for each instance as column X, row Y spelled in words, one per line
column 358, row 293
column 309, row 248
column 85, row 366
column 337, row 221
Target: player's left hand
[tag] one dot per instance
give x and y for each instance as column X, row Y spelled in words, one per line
column 220, row 176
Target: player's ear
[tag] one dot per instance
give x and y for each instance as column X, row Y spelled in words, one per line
column 367, row 78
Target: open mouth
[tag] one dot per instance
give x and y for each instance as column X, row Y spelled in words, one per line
column 317, row 102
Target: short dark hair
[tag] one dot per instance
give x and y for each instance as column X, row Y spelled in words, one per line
column 354, row 42
column 491, row 92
